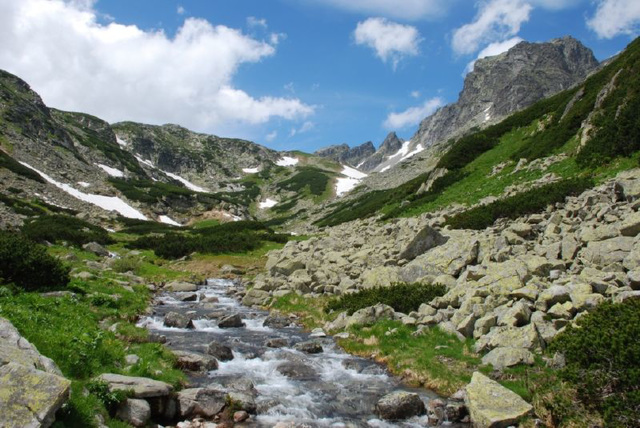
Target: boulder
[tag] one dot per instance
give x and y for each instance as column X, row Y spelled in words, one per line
column 15, row 348
column 277, row 342
column 95, row 248
column 180, row 286
column 491, row 405
column 608, row 252
column 526, row 337
column 134, row 411
column 286, row 267
column 310, row 347
column 380, row 276
column 205, row 402
column 460, row 250
column 400, row 405
column 141, row 387
column 425, row 240
column 194, row 362
column 297, row 371
column 221, row 352
column 516, row 316
column 30, row 397
column 276, row 321
column 370, row 315
column 255, row 297
column 243, row 401
column 501, row 358
column 630, row 225
column 551, row 296
column 177, row 320
column 231, row 321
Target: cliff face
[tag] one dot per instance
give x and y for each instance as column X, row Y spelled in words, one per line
column 506, row 83
column 344, row 154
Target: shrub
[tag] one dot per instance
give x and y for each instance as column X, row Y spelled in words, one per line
column 603, row 360
column 126, row 264
column 16, row 167
column 400, row 296
column 59, row 228
column 528, row 202
column 28, row 265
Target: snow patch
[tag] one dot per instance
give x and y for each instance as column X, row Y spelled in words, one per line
column 84, row 184
column 121, row 142
column 231, row 216
column 386, row 168
column 145, row 162
column 113, row 172
column 251, row 170
column 287, row 161
column 268, row 203
column 168, row 220
column 189, row 185
column 348, row 183
column 404, row 150
column 417, row 150
column 109, row 203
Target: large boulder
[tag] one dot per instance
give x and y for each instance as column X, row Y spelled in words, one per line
column 460, row 250
column 380, row 276
column 370, row 315
column 231, row 321
column 608, row 252
column 179, row 286
column 255, row 297
column 194, row 362
column 141, row 387
column 30, row 397
column 177, row 320
column 220, row 351
column 425, row 240
column 400, row 405
column 501, row 358
column 206, row 402
column 135, row 412
column 95, row 248
column 493, row 406
column 14, row 347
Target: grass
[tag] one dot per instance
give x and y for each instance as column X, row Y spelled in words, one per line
column 309, row 309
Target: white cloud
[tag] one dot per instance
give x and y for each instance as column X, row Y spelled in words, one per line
column 414, row 115
column 496, row 20
column 306, row 127
column 415, row 94
column 181, row 10
column 615, row 17
column 271, row 136
column 121, row 72
column 399, row 9
column 492, row 50
column 390, row 41
column 252, row 21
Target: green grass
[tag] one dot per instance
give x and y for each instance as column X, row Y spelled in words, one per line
column 206, row 223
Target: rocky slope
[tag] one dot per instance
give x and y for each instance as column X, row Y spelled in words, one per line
column 497, row 87
column 344, row 154
column 511, row 287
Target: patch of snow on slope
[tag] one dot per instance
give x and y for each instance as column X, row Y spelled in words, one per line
column 386, row 168
column 231, row 216
column 84, row 183
column 145, row 162
column 348, row 183
column 287, row 161
column 251, row 170
column 189, row 185
column 109, row 203
column 268, row 203
column 113, row 172
column 417, row 150
column 121, row 142
column 168, row 220
column 404, row 150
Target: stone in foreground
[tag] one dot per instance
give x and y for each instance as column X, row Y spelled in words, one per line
column 400, row 405
column 493, row 406
column 501, row 358
column 142, row 387
column 30, row 397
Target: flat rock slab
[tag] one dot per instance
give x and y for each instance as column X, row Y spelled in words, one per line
column 142, row 387
column 30, row 397
column 491, row 405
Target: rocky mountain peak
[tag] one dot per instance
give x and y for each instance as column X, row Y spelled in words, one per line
column 391, row 144
column 346, row 155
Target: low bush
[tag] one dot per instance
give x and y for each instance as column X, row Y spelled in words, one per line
column 16, row 167
column 528, row 202
column 127, row 264
column 400, row 296
column 28, row 266
column 59, row 228
column 603, row 360
column 316, row 180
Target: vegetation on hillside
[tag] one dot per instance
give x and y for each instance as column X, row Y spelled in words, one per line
column 62, row 228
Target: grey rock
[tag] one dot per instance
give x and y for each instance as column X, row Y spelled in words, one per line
column 297, row 371
column 195, row 362
column 277, row 342
column 501, row 358
column 425, row 240
column 141, row 387
column 134, row 411
column 179, row 286
column 95, row 248
column 400, row 405
column 177, row 320
column 219, row 351
column 204, row 402
column 231, row 321
column 276, row 321
column 310, row 347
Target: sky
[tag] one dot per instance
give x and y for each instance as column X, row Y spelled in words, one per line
column 288, row 74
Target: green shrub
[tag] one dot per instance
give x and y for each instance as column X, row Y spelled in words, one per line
column 110, row 399
column 16, row 167
column 400, row 296
column 59, row 228
column 127, row 264
column 28, row 265
column 603, row 360
column 316, row 180
column 528, row 202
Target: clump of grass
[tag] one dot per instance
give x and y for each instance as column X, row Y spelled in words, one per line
column 401, row 297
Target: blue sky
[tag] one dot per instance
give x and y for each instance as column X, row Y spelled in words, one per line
column 289, row 74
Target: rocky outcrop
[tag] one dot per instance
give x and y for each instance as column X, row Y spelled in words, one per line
column 33, row 388
column 512, row 287
column 491, row 405
column 346, row 155
column 390, row 146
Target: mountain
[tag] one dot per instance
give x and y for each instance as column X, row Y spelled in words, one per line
column 344, row 154
column 497, row 87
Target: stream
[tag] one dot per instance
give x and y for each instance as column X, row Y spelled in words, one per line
column 327, row 389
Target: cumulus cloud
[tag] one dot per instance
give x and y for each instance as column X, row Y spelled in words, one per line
column 390, row 41
column 121, row 72
column 181, row 10
column 399, row 9
column 414, row 115
column 615, row 17
column 492, row 50
column 252, row 21
column 496, row 20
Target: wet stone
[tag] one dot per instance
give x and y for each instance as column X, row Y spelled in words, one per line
column 221, row 352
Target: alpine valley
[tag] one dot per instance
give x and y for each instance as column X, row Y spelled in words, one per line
column 491, row 263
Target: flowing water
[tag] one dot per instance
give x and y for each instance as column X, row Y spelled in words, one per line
column 329, row 389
